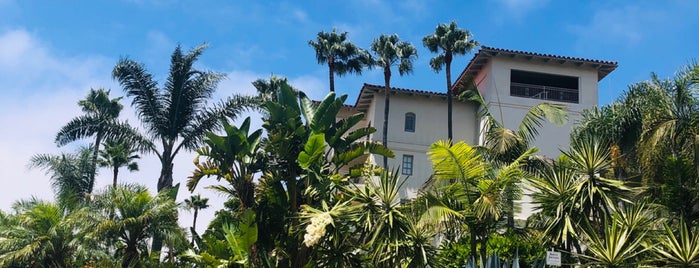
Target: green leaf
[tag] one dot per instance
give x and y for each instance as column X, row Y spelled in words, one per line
column 314, row 149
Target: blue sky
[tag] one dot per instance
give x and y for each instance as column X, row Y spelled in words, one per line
column 52, row 53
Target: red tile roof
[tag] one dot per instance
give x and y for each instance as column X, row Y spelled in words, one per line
column 483, row 56
column 368, row 90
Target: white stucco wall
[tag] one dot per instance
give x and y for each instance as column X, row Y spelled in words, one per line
column 430, row 126
column 510, row 110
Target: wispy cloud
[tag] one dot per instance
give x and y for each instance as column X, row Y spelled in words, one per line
column 623, row 25
column 40, row 92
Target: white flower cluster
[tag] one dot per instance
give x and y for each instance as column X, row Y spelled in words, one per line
column 316, row 229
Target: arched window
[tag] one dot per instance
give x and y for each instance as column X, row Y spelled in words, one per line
column 409, row 122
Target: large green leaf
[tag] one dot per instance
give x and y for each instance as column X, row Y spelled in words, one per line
column 314, row 149
column 241, row 237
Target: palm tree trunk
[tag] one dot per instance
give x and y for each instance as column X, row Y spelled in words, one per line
column 387, row 103
column 164, row 182
column 331, row 74
column 98, row 141
column 116, row 173
column 194, row 223
column 450, row 134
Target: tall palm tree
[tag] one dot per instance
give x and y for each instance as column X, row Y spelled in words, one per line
column 118, row 153
column 452, row 41
column 389, row 51
column 196, row 203
column 72, row 175
column 129, row 215
column 176, row 115
column 99, row 121
column 340, row 55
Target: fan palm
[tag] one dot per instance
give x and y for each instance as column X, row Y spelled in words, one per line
column 452, row 41
column 340, row 55
column 196, row 203
column 389, row 51
column 118, row 153
column 72, row 175
column 176, row 115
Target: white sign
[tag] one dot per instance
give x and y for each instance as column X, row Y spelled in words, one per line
column 553, row 258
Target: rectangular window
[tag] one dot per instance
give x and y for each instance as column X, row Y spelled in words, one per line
column 544, row 86
column 407, row 168
column 409, row 122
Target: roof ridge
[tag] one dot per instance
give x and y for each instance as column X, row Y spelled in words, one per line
column 544, row 54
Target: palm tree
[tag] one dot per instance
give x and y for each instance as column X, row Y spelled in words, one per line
column 72, row 175
column 99, row 120
column 341, row 55
column 452, row 41
column 503, row 145
column 467, row 188
column 196, row 203
column 129, row 215
column 118, row 153
column 388, row 51
column 40, row 232
column 176, row 115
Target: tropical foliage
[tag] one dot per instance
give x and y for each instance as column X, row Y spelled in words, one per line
column 304, row 189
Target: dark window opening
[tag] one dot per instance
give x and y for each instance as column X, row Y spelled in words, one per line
column 410, row 122
column 407, row 168
column 544, row 86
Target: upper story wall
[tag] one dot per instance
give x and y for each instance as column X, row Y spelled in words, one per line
column 496, row 83
column 500, row 69
column 430, row 119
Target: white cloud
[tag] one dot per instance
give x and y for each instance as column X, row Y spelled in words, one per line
column 41, row 90
column 626, row 25
column 314, row 87
column 40, row 93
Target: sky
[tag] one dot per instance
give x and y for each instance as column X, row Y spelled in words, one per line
column 52, row 53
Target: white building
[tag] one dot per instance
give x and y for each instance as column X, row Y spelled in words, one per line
column 510, row 81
